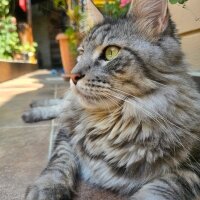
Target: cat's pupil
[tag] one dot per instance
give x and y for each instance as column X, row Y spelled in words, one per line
column 111, row 52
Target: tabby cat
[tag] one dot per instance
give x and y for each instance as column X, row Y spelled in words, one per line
column 130, row 122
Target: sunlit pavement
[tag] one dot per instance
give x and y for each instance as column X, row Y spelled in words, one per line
column 24, row 148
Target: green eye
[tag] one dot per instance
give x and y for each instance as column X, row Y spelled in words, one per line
column 111, row 52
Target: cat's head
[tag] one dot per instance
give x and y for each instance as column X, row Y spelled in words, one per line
column 128, row 56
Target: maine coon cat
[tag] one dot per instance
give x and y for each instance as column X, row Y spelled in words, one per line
column 131, row 120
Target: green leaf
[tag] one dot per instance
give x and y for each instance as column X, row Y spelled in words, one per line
column 5, row 3
column 182, row 1
column 173, row 1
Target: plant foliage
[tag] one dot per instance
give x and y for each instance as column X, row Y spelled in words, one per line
column 114, row 9
column 28, row 48
column 177, row 1
column 9, row 39
column 4, row 8
column 59, row 3
column 119, row 8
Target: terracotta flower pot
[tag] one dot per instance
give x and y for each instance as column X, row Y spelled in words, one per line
column 68, row 59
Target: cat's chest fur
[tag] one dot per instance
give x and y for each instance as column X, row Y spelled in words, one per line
column 125, row 146
column 105, row 145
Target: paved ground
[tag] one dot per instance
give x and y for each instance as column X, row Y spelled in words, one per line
column 24, row 147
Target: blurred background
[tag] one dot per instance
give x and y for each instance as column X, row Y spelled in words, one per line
column 44, row 34
column 38, row 41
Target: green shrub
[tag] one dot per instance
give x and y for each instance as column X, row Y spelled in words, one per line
column 9, row 39
column 4, row 8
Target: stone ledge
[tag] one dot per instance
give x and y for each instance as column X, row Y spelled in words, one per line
column 11, row 70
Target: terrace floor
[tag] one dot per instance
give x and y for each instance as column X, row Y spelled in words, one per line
column 24, row 148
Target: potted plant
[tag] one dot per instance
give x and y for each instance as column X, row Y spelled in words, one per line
column 69, row 40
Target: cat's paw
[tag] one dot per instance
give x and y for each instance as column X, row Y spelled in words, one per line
column 29, row 117
column 47, row 191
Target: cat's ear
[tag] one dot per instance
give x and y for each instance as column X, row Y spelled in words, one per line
column 94, row 16
column 151, row 16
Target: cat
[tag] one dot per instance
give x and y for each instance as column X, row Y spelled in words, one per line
column 130, row 122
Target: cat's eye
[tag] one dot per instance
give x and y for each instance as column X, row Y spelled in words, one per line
column 111, row 52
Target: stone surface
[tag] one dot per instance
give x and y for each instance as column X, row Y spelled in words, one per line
column 191, row 47
column 23, row 154
column 186, row 18
column 24, row 148
column 188, row 24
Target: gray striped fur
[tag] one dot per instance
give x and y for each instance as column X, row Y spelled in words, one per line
column 43, row 110
column 131, row 124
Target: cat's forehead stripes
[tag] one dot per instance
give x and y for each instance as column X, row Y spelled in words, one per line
column 100, row 30
column 111, row 31
column 101, row 33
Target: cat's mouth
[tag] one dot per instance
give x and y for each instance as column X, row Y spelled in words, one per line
column 89, row 95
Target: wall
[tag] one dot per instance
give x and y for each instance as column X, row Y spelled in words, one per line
column 47, row 23
column 41, row 36
column 189, row 29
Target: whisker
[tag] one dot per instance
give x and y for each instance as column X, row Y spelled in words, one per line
column 166, row 121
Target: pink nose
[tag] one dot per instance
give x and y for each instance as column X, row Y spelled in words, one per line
column 76, row 77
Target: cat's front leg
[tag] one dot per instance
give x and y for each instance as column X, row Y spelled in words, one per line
column 182, row 186
column 46, row 102
column 57, row 181
column 41, row 113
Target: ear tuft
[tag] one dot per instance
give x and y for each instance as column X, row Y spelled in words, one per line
column 151, row 16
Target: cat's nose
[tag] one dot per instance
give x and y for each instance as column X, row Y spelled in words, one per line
column 76, row 77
